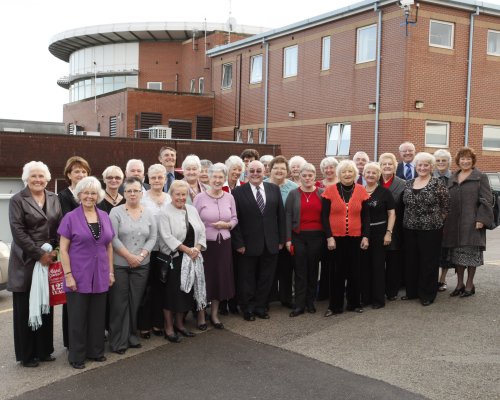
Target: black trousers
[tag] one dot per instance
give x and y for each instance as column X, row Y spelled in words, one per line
column 393, row 272
column 347, row 259
column 232, row 303
column 422, row 253
column 282, row 288
column 29, row 344
column 86, row 315
column 307, row 246
column 150, row 312
column 326, row 273
column 373, row 271
column 255, row 279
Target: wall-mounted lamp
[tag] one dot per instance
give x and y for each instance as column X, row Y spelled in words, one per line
column 419, row 104
column 372, row 106
column 291, row 114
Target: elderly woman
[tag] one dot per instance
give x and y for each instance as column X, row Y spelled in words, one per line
column 150, row 314
column 305, row 238
column 328, row 166
column 442, row 171
column 113, row 178
column 346, row 222
column 393, row 260
column 426, row 201
column 295, row 164
column 382, row 218
column 135, row 236
column 205, row 165
column 87, row 259
column 235, row 167
column 470, row 213
column 181, row 235
column 191, row 168
column 265, row 160
column 217, row 210
column 34, row 215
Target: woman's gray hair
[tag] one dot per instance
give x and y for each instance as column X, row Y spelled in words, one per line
column 424, row 157
column 110, row 170
column 326, row 162
column 308, row 167
column 92, row 183
column 234, row 161
column 346, row 164
column 217, row 167
column 28, row 167
column 443, row 153
column 177, row 184
column 206, row 164
column 296, row 159
column 375, row 165
column 191, row 160
column 157, row 169
column 266, row 158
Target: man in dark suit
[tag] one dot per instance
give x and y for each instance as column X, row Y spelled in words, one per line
column 135, row 168
column 406, row 168
column 258, row 237
column 168, row 157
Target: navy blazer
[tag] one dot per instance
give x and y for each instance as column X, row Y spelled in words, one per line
column 400, row 171
column 256, row 231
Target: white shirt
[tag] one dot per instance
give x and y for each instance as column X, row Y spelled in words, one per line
column 262, row 191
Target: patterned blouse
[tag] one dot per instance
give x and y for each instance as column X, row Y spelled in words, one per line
column 426, row 208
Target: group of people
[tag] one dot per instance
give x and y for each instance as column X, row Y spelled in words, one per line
column 234, row 237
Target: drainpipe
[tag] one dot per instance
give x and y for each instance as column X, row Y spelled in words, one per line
column 266, row 87
column 469, row 75
column 377, row 94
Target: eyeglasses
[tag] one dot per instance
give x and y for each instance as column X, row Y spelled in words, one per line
column 93, row 194
column 116, row 178
column 133, row 191
column 255, row 171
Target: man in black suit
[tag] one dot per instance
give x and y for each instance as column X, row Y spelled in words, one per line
column 258, row 237
column 406, row 168
column 135, row 168
column 168, row 157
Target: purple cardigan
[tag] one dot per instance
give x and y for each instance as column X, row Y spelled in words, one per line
column 88, row 257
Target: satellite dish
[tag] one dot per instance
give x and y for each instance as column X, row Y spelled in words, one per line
column 231, row 24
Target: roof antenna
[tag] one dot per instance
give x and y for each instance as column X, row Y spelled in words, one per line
column 230, row 23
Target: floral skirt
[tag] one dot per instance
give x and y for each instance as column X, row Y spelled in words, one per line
column 465, row 256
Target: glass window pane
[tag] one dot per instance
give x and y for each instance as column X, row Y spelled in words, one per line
column 290, row 61
column 367, row 44
column 345, row 141
column 325, row 54
column 491, row 137
column 494, row 43
column 201, row 85
column 436, row 134
column 332, row 140
column 256, row 69
column 132, row 81
column 441, row 34
column 227, row 75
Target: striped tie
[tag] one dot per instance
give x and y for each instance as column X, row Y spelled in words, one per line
column 260, row 200
column 408, row 174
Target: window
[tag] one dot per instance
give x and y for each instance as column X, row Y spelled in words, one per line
column 325, row 53
column 366, row 44
column 491, row 137
column 441, row 34
column 227, row 76
column 256, row 69
column 262, row 136
column 112, row 126
column 436, row 133
column 201, row 85
column 338, row 139
column 154, row 85
column 239, row 136
column 290, row 61
column 192, row 86
column 249, row 135
column 494, row 43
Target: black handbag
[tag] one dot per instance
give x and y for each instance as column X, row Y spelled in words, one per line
column 164, row 262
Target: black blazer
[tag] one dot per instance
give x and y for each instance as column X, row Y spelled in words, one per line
column 256, row 231
column 68, row 202
column 400, row 171
column 177, row 176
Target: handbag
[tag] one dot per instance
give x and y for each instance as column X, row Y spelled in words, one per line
column 56, row 287
column 164, row 263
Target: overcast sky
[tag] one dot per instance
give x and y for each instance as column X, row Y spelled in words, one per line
column 29, row 72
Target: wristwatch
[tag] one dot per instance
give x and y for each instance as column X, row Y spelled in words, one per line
column 142, row 254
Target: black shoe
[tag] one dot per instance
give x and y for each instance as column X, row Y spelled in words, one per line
column 135, row 346
column 98, row 359
column 146, row 335
column 121, row 351
column 30, row 363
column 217, row 325
column 332, row 311
column 296, row 312
column 77, row 364
column 457, row 292
column 426, row 303
column 158, row 332
column 468, row 293
column 311, row 309
column 184, row 332
column 377, row 306
column 248, row 316
column 262, row 315
column 392, row 298
column 407, row 298
column 355, row 309
column 49, row 358
column 287, row 304
column 173, row 338
column 203, row 327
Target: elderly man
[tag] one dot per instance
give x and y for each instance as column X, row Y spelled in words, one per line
column 168, row 157
column 135, row 168
column 360, row 159
column 406, row 168
column 258, row 237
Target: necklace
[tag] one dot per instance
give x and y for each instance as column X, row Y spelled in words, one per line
column 370, row 191
column 133, row 213
column 95, row 227
column 113, row 198
column 306, row 196
column 346, row 191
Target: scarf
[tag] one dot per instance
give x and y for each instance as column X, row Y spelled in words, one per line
column 192, row 275
column 39, row 294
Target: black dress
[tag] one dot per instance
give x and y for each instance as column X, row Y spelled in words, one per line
column 175, row 299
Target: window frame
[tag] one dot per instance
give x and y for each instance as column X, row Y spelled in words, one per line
column 441, row 146
column 452, row 38
column 325, row 58
column 262, row 136
column 149, row 84
column 495, row 127
column 252, row 79
column 192, row 86
column 285, row 51
column 488, row 43
column 358, row 37
column 341, row 138
column 249, row 135
column 238, row 136
column 201, row 85
column 225, row 67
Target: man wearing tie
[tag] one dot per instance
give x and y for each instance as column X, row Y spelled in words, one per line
column 258, row 237
column 406, row 168
column 167, row 157
column 360, row 159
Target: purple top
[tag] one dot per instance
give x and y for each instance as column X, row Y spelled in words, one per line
column 88, row 257
column 212, row 210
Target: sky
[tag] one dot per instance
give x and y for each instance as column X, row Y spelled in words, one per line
column 29, row 72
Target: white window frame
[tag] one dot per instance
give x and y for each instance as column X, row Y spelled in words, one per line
column 249, row 135
column 325, row 53
column 155, row 85
column 239, row 136
column 493, row 128
column 442, row 123
column 452, row 38
column 192, row 86
column 288, row 53
column 225, row 68
column 256, row 68
column 361, row 58
column 201, row 85
column 343, row 135
column 262, row 136
column 496, row 33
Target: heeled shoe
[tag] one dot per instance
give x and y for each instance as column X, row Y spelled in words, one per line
column 158, row 332
column 468, row 293
column 217, row 325
column 202, row 327
column 145, row 335
column 173, row 338
column 457, row 291
column 184, row 332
